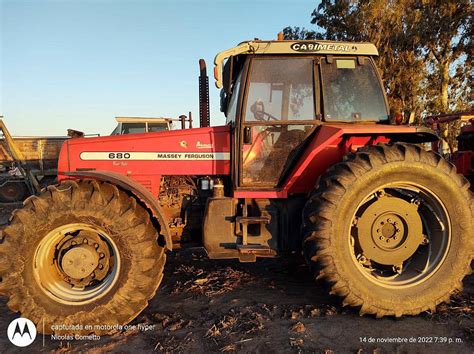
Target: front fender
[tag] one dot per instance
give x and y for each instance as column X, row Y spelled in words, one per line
column 134, row 188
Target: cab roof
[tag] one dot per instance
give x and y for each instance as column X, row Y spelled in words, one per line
column 292, row 47
column 142, row 120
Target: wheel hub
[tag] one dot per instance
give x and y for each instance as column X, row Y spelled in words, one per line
column 83, row 258
column 80, row 261
column 390, row 230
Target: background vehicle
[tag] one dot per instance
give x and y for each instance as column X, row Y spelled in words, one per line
column 26, row 164
column 133, row 125
column 306, row 162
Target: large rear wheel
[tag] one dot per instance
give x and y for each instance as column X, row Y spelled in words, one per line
column 83, row 257
column 391, row 229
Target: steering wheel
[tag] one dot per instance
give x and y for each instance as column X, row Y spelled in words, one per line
column 258, row 110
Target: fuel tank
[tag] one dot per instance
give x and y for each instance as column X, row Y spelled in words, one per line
column 148, row 156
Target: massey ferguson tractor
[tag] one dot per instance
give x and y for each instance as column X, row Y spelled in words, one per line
column 306, row 162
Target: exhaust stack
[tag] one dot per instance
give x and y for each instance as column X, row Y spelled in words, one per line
column 204, row 119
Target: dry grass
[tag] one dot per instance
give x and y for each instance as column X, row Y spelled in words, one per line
column 209, row 283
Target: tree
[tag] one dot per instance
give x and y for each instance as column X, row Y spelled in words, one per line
column 445, row 29
column 425, row 47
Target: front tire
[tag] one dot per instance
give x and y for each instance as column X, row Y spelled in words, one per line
column 81, row 258
column 391, row 229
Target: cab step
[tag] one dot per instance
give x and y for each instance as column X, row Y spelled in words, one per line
column 259, row 250
column 249, row 253
column 252, row 219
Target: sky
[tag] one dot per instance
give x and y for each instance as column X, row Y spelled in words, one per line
column 78, row 64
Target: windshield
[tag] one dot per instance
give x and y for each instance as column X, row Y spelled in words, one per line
column 280, row 89
column 352, row 92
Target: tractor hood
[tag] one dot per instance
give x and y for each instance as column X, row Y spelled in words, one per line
column 147, row 156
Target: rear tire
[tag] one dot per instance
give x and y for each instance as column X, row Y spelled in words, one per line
column 341, row 225
column 41, row 264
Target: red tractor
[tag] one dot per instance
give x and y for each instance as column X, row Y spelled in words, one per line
column 307, row 162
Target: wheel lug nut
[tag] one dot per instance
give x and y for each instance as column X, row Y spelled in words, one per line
column 96, row 245
column 73, row 243
column 381, row 238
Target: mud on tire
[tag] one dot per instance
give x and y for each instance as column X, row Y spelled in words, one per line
column 138, row 257
column 331, row 235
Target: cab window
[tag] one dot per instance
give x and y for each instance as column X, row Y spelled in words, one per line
column 157, row 127
column 279, row 117
column 280, row 89
column 133, row 128
column 352, row 91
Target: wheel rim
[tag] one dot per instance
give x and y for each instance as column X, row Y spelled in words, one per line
column 76, row 264
column 400, row 235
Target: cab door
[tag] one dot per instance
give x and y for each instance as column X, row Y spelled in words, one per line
column 278, row 113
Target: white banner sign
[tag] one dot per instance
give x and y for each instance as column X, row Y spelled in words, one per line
column 154, row 156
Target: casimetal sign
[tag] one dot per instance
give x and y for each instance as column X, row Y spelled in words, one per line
column 318, row 47
column 153, row 156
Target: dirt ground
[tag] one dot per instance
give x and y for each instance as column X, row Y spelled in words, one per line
column 269, row 306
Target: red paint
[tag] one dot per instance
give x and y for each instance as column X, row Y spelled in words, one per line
column 330, row 143
column 149, row 172
column 464, row 161
column 260, row 194
column 328, row 147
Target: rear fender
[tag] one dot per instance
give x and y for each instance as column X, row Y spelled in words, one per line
column 331, row 142
column 134, row 188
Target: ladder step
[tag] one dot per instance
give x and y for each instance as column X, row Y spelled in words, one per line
column 256, row 249
column 252, row 219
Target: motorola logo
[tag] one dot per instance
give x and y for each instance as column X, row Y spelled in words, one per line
column 21, row 332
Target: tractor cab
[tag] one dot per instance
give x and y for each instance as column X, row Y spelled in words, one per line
column 275, row 93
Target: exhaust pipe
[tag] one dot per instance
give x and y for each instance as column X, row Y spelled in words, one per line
column 204, row 118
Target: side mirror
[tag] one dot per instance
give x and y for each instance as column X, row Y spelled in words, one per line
column 247, row 135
